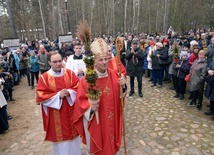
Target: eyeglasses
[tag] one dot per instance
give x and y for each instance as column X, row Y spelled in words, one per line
column 59, row 61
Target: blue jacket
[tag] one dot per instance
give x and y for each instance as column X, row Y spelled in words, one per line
column 34, row 66
column 17, row 60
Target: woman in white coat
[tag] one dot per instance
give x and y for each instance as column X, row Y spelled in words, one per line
column 149, row 58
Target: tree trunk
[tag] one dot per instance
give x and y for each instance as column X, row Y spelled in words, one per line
column 138, row 14
column 105, row 9
column 150, row 25
column 125, row 14
column 113, row 18
column 53, row 19
column 63, row 16
column 175, row 13
column 60, row 17
column 134, row 16
column 166, row 15
column 42, row 17
column 11, row 18
column 93, row 4
column 157, row 16
column 83, row 11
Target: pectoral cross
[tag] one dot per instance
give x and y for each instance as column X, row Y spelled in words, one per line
column 106, row 90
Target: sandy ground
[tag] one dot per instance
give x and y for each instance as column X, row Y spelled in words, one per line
column 22, row 112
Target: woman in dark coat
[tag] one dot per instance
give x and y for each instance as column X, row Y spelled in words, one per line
column 209, row 92
column 198, row 72
column 157, row 73
column 166, row 74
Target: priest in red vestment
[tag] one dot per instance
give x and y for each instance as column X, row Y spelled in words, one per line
column 56, row 93
column 113, row 62
column 103, row 138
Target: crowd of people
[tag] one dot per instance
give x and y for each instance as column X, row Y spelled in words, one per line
column 161, row 58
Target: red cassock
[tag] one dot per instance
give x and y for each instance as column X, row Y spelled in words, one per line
column 105, row 137
column 58, row 124
column 113, row 64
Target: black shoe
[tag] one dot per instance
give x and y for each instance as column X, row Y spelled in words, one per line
column 191, row 104
column 165, row 79
column 141, row 94
column 198, row 107
column 190, row 97
column 32, row 87
column 208, row 105
column 168, row 81
column 209, row 113
column 176, row 95
column 9, row 117
column 16, row 84
column 131, row 93
column 150, row 80
column 153, row 85
column 181, row 97
column 12, row 99
column 172, row 88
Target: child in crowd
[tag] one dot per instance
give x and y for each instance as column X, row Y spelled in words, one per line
column 182, row 69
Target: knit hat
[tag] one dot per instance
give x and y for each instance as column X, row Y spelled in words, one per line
column 187, row 45
column 183, row 53
column 193, row 42
column 134, row 41
column 152, row 43
column 166, row 41
column 196, row 47
column 159, row 44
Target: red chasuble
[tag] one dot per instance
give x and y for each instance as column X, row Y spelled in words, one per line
column 113, row 64
column 105, row 137
column 58, row 124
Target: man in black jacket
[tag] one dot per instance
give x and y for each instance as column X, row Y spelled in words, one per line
column 134, row 56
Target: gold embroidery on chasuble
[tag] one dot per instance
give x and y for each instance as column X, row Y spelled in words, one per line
column 58, row 128
column 67, row 80
column 40, row 93
column 106, row 90
column 110, row 116
column 112, row 138
column 56, row 113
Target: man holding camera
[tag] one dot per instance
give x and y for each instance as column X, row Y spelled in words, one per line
column 135, row 58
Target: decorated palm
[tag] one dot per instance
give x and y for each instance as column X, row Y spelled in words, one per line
column 83, row 33
column 176, row 51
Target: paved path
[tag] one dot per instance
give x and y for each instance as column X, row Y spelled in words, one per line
column 156, row 124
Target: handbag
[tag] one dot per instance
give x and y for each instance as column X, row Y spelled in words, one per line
column 187, row 77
